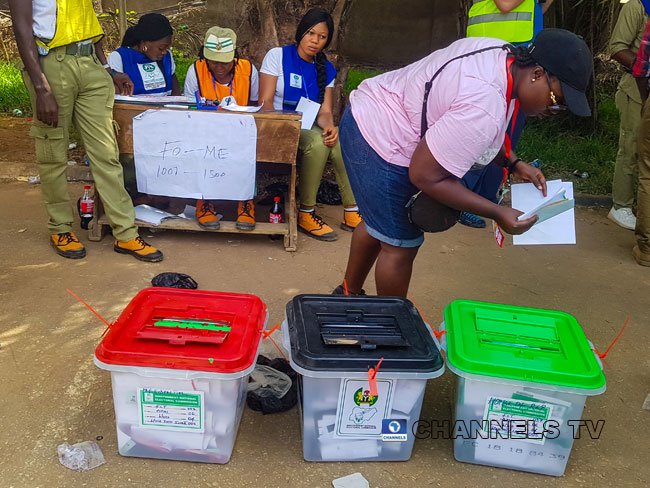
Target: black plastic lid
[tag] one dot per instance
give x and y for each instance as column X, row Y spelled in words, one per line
column 340, row 333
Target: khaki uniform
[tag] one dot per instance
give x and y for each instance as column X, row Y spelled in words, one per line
column 627, row 34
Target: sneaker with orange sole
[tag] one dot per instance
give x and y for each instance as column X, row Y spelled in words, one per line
column 67, row 244
column 139, row 249
column 312, row 225
column 351, row 218
column 206, row 215
column 245, row 215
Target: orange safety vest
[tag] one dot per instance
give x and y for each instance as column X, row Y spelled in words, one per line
column 240, row 87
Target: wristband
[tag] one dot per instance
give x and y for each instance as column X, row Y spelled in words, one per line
column 511, row 166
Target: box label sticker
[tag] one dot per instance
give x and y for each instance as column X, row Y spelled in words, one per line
column 506, row 418
column 171, row 410
column 359, row 414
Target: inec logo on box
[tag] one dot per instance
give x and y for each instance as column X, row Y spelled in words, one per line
column 393, row 430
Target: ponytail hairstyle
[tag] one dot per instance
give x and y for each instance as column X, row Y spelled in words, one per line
column 310, row 19
column 150, row 27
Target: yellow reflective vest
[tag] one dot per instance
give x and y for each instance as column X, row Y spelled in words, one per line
column 76, row 21
column 486, row 20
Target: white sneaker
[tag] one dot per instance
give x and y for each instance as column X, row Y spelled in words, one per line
column 623, row 217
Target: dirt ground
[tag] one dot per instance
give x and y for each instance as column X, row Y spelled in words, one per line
column 52, row 392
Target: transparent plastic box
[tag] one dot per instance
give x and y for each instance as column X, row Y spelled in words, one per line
column 523, row 377
column 332, row 343
column 180, row 362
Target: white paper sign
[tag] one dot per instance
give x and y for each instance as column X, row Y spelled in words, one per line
column 560, row 229
column 190, row 154
column 359, row 415
column 309, row 111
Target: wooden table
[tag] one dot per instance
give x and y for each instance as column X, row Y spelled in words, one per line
column 277, row 142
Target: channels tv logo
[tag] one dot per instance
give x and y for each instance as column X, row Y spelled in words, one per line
column 393, row 430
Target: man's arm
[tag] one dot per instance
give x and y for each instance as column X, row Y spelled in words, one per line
column 507, row 5
column 546, row 5
column 624, row 34
column 47, row 110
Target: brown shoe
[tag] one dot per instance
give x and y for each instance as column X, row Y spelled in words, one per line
column 139, row 249
column 67, row 245
column 351, row 218
column 206, row 214
column 312, row 225
column 245, row 215
column 641, row 259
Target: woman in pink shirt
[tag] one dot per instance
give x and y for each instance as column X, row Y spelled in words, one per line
column 398, row 138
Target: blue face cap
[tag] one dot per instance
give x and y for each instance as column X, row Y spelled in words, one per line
column 566, row 56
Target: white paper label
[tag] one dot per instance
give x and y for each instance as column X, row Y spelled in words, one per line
column 171, row 410
column 295, row 80
column 152, row 77
column 516, row 419
column 360, row 415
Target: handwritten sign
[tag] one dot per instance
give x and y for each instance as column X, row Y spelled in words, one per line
column 189, row 154
column 171, row 410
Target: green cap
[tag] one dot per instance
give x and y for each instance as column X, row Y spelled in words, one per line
column 521, row 344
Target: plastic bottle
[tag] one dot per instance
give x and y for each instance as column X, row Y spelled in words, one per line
column 276, row 214
column 86, row 207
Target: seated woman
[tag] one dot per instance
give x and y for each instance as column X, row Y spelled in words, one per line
column 302, row 71
column 220, row 72
column 145, row 57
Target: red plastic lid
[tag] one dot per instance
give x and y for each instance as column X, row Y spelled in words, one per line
column 186, row 329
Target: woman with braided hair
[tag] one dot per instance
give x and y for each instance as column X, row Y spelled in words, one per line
column 298, row 72
column 422, row 127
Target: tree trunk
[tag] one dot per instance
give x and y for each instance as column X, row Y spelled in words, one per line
column 269, row 33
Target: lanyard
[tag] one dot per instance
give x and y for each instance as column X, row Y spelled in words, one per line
column 302, row 78
column 230, row 85
column 513, row 118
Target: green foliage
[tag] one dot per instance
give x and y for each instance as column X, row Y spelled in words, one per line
column 357, row 75
column 183, row 63
column 13, row 94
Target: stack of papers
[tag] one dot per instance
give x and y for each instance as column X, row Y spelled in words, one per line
column 556, row 224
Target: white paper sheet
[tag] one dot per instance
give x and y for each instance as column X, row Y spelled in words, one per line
column 229, row 103
column 193, row 154
column 158, row 99
column 557, row 230
column 309, row 111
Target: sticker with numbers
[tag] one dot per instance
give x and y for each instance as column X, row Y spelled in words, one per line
column 171, row 410
column 516, row 419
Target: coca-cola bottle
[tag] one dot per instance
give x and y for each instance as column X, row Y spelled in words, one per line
column 86, row 207
column 276, row 212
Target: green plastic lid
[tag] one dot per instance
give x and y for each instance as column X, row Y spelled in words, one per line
column 521, row 344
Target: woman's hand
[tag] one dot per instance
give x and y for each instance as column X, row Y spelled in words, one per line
column 526, row 172
column 507, row 220
column 330, row 136
column 123, row 84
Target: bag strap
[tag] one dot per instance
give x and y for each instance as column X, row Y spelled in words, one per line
column 429, row 84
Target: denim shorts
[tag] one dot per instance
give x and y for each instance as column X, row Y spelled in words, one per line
column 381, row 189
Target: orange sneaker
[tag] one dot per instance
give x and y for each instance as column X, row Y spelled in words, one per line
column 67, row 245
column 206, row 215
column 139, row 249
column 312, row 225
column 351, row 218
column 245, row 215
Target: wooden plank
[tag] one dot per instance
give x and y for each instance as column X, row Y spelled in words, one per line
column 277, row 132
column 226, row 226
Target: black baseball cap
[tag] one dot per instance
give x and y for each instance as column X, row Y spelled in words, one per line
column 566, row 56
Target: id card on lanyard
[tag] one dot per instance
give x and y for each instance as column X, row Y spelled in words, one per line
column 498, row 233
column 306, row 107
